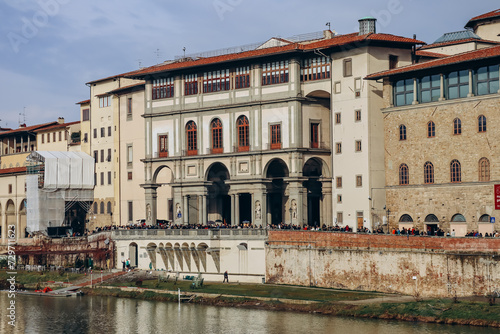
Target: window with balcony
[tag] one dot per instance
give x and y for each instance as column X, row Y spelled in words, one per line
column 275, row 136
column 163, row 88
column 243, row 134
column 192, row 138
column 216, row 128
column 275, row 72
column 163, row 146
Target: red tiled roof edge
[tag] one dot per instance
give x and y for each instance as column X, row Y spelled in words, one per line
column 337, row 41
column 489, row 15
column 430, row 54
column 28, row 128
column 83, row 102
column 115, row 91
column 13, row 170
column 55, row 126
column 490, row 52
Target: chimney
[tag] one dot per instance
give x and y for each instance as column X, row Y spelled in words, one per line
column 367, row 25
column 327, row 34
column 60, row 120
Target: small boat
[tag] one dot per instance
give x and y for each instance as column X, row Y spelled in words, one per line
column 48, row 292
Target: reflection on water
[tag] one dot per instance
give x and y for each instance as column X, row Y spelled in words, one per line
column 89, row 314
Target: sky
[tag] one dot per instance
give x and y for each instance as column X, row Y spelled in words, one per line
column 49, row 49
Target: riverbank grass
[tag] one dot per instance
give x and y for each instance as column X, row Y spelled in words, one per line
column 32, row 277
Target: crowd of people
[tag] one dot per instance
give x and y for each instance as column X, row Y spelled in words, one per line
column 283, row 226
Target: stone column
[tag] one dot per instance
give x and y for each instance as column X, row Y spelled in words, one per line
column 441, row 94
column 327, row 202
column 471, row 93
column 204, row 209
column 185, row 209
column 237, row 209
column 233, row 213
column 415, row 91
column 151, row 202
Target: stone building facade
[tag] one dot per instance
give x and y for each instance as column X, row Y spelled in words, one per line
column 442, row 155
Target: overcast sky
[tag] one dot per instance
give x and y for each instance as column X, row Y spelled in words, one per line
column 50, row 48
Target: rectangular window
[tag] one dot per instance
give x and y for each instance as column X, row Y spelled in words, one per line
column 109, row 131
column 403, row 92
column 102, row 178
column 338, row 148
column 242, row 77
column 274, row 72
column 339, row 181
column 109, row 177
column 96, row 156
column 129, row 108
column 357, row 115
column 358, row 145
column 54, row 137
column 108, row 158
column 102, row 155
column 347, row 67
column 487, row 80
column 339, row 198
column 85, row 115
column 95, row 133
column 275, row 136
column 458, row 84
column 103, row 132
column 315, row 69
column 43, row 138
column 216, row 81
column 163, row 146
column 163, row 88
column 85, row 137
column 393, row 62
column 130, row 154
column 338, row 118
column 130, row 211
column 430, row 88
column 129, row 175
column 314, row 135
column 338, row 87
column 104, row 101
column 65, row 135
column 95, row 183
column 340, row 217
column 48, row 137
column 191, row 84
column 10, row 188
column 60, row 135
column 359, row 181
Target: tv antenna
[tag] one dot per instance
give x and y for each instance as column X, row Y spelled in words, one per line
column 328, row 25
column 140, row 62
column 184, row 50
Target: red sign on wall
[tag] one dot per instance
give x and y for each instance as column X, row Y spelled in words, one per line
column 497, row 196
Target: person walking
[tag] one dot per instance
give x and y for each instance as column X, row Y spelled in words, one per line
column 226, row 277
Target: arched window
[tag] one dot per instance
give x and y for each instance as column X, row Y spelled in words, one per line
column 431, row 129
column 481, row 123
column 192, row 138
column 108, row 207
column 243, row 134
column 457, row 126
column 484, row 170
column 405, row 219
column 102, row 208
column 458, row 218
column 455, row 171
column 216, row 127
column 95, row 207
column 403, row 174
column 402, row 132
column 428, row 172
column 484, row 218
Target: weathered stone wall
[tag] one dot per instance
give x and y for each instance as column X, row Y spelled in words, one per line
column 441, row 266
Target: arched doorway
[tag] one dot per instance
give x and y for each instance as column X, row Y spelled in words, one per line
column 163, row 177
column 10, row 212
column 431, row 222
column 219, row 202
column 313, row 171
column 277, row 170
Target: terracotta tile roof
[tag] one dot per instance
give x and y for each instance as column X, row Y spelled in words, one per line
column 337, row 41
column 83, row 102
column 13, row 170
column 56, row 126
column 475, row 55
column 486, row 16
column 26, row 129
column 430, row 54
column 109, row 78
column 126, row 88
column 459, row 41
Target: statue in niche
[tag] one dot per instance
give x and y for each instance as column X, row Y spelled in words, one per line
column 258, row 210
column 178, row 213
column 294, row 209
column 148, row 212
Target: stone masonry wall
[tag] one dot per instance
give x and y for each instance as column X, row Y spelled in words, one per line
column 427, row 266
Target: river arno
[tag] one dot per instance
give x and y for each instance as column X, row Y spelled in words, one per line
column 93, row 314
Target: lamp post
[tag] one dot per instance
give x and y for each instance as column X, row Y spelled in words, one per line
column 290, row 210
column 388, row 213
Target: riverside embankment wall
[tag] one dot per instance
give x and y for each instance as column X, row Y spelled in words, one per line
column 424, row 266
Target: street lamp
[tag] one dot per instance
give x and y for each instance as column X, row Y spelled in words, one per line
column 290, row 210
column 388, row 213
